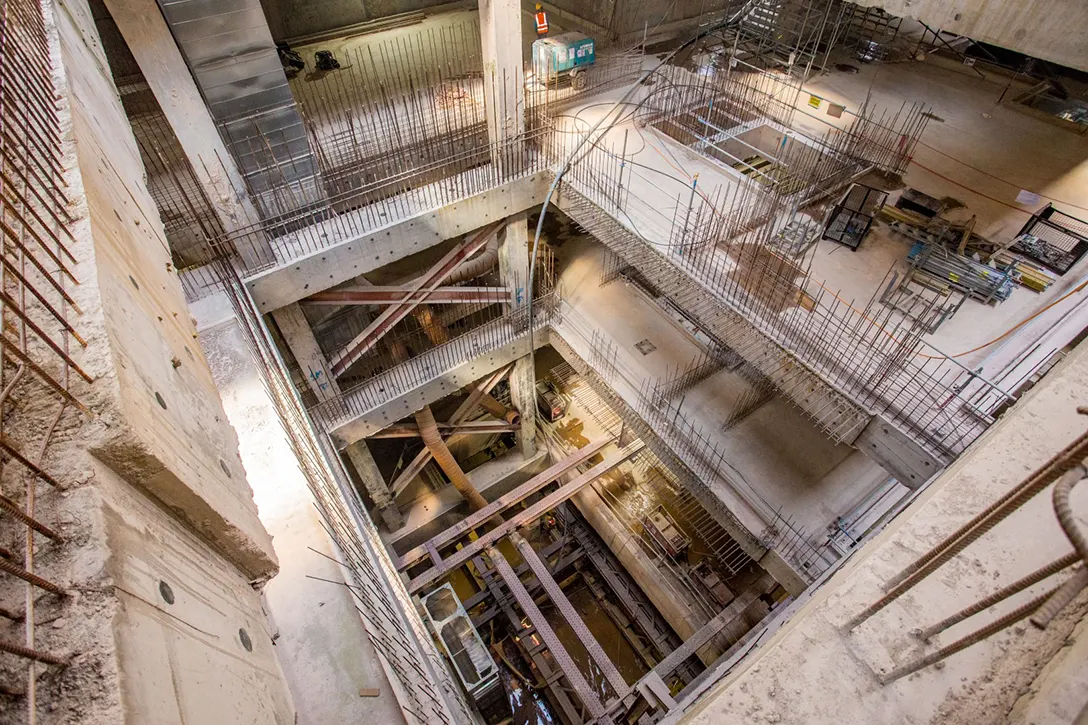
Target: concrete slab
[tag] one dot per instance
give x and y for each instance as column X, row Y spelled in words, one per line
column 384, row 400
column 813, row 671
column 775, row 454
column 344, row 254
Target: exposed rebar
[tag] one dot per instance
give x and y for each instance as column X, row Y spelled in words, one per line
column 18, row 571
column 982, row 523
column 31, row 654
column 1000, row 595
column 1059, row 463
column 975, row 637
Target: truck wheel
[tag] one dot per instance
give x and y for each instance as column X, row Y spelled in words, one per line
column 578, row 80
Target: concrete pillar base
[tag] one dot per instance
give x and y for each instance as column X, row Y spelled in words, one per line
column 392, row 517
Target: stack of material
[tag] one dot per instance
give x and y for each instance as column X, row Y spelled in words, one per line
column 946, row 238
column 1027, row 274
column 794, row 239
column 975, row 279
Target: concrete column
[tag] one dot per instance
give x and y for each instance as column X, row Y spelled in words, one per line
column 514, row 273
column 504, row 75
column 300, row 338
column 164, row 69
column 367, row 469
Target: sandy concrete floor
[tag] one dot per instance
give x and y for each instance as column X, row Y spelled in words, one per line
column 982, row 154
column 775, row 454
column 323, row 649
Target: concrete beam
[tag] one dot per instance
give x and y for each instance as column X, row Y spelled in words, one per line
column 911, row 464
column 376, row 295
column 158, row 418
column 362, row 460
column 300, row 338
column 372, row 420
column 164, row 69
column 1039, row 28
column 356, row 255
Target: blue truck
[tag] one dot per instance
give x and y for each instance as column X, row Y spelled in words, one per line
column 566, row 55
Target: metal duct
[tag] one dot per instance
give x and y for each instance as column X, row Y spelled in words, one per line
column 482, row 263
column 428, row 429
column 499, row 410
column 233, row 58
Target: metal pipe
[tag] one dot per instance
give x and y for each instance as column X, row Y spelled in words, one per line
column 483, row 262
column 497, row 409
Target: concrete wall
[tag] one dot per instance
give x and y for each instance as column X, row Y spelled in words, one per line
column 288, row 19
column 1042, row 28
column 208, row 657
column 162, row 425
column 160, row 543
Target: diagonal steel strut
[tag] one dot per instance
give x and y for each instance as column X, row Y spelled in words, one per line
column 422, row 287
column 459, row 416
column 392, row 295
